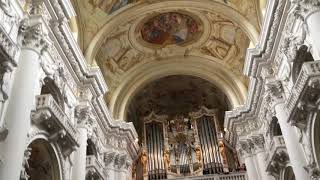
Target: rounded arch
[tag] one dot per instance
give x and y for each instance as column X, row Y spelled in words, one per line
column 43, row 161
column 288, row 174
column 209, row 70
column 275, row 129
column 133, row 12
column 91, row 148
column 315, row 134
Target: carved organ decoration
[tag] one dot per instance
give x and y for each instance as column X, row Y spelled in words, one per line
column 185, row 145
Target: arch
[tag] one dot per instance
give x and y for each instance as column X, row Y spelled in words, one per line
column 315, row 134
column 209, row 70
column 133, row 12
column 288, row 174
column 43, row 161
column 91, row 148
column 275, row 129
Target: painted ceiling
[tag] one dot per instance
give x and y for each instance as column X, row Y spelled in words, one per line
column 133, row 33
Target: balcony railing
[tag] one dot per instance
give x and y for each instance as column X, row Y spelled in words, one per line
column 49, row 114
column 231, row 176
column 92, row 163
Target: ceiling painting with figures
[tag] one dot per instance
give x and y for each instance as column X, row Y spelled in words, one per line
column 170, row 28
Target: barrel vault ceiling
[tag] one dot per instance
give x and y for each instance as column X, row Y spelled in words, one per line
column 123, row 36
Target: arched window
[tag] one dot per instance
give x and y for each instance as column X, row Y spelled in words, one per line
column 288, row 174
column 40, row 162
column 275, row 129
column 91, row 149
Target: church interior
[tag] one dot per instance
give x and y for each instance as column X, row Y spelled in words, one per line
column 159, row 89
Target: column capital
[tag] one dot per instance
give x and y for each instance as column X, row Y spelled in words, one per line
column 245, row 147
column 258, row 142
column 109, row 158
column 274, row 92
column 34, row 34
column 304, row 8
column 84, row 116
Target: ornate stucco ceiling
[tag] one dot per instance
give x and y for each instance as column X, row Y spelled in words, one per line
column 94, row 14
column 136, row 42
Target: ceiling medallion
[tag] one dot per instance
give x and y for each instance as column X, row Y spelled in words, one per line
column 171, row 28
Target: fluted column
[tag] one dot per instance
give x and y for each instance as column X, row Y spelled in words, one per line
column 275, row 98
column 246, row 153
column 85, row 121
column 309, row 12
column 33, row 34
column 259, row 146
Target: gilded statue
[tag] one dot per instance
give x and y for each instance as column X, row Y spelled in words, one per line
column 144, row 160
column 198, row 154
column 222, row 151
column 166, row 157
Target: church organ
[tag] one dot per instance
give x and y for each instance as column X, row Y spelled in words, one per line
column 185, row 145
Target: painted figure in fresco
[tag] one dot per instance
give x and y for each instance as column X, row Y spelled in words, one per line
column 119, row 4
column 169, row 28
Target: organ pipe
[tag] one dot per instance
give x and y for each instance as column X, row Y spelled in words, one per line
column 184, row 144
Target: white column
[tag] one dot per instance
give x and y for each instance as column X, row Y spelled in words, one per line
column 291, row 139
column 22, row 101
column 251, row 167
column 261, row 160
column 312, row 19
column 79, row 167
column 112, row 174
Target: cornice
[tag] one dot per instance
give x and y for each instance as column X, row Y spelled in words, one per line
column 256, row 59
column 85, row 76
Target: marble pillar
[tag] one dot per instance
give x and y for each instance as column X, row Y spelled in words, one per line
column 25, row 87
column 251, row 167
column 261, row 161
column 312, row 19
column 79, row 167
column 294, row 149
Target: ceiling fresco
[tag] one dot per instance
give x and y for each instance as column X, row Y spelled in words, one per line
column 123, row 51
column 170, row 28
column 148, row 31
column 92, row 15
column 109, row 6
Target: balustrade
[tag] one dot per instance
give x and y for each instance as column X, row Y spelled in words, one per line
column 92, row 163
column 49, row 114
